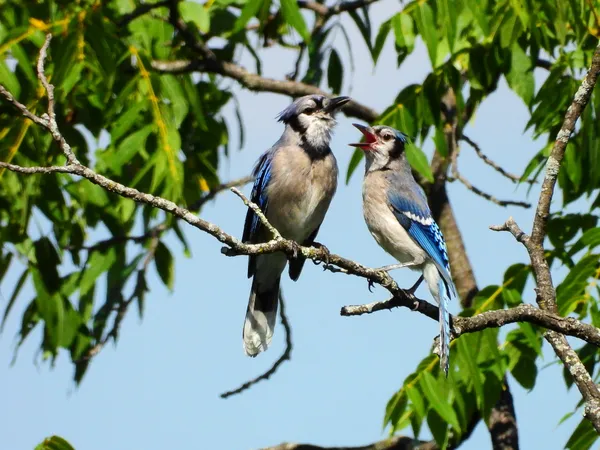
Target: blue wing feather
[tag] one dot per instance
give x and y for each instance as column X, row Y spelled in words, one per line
column 252, row 225
column 414, row 215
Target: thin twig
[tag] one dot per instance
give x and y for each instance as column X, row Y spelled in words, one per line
column 222, row 187
column 285, row 356
column 489, row 162
column 254, row 207
column 456, row 174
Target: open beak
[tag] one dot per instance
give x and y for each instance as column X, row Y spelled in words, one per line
column 336, row 103
column 369, row 136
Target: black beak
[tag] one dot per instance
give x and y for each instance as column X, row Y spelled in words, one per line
column 336, row 103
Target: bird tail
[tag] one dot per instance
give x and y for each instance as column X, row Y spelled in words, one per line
column 443, row 290
column 444, row 319
column 261, row 317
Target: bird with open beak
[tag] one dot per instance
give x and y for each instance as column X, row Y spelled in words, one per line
column 398, row 216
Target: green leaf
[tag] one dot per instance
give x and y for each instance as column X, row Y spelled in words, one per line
column 13, row 297
column 405, row 35
column 364, row 26
column 423, row 15
column 478, row 9
column 571, row 291
column 520, row 78
column 418, row 161
column 438, row 427
column 467, row 361
column 292, row 15
column 129, row 147
column 418, row 407
column 395, row 408
column 54, row 443
column 357, row 157
column 47, row 261
column 583, row 437
column 98, row 263
column 590, row 239
column 196, row 13
column 335, row 72
column 165, row 265
column 250, row 10
column 450, row 19
column 437, row 400
column 382, row 34
column 51, row 308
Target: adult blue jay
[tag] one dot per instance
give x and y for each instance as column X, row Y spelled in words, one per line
column 295, row 181
column 398, row 217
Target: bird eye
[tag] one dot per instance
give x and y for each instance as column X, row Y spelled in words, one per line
column 387, row 137
column 309, row 111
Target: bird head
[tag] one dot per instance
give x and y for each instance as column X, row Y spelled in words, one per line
column 382, row 144
column 313, row 116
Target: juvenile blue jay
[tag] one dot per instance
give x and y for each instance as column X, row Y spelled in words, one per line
column 295, row 181
column 398, row 217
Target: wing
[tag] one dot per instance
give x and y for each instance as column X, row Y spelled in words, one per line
column 252, row 225
column 414, row 215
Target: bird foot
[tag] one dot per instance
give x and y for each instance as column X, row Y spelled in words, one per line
column 295, row 250
column 370, row 285
column 326, row 254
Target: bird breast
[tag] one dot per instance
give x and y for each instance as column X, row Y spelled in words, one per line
column 383, row 225
column 300, row 192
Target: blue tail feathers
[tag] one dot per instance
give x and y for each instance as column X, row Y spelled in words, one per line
column 444, row 319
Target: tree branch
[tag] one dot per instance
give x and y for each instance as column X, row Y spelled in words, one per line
column 546, row 293
column 286, row 355
column 489, row 162
column 220, row 188
column 257, row 83
column 456, row 174
column 490, row 319
column 393, row 443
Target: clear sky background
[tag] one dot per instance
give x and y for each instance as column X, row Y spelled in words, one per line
column 159, row 388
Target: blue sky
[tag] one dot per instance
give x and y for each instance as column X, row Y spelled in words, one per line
column 159, row 388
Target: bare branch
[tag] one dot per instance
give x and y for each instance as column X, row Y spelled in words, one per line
column 511, row 226
column 254, row 207
column 393, row 443
column 581, row 99
column 286, row 355
column 546, row 293
column 257, row 83
column 222, row 187
column 456, row 174
column 33, row 170
column 489, row 162
column 489, row 319
column 21, row 107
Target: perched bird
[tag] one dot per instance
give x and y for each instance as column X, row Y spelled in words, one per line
column 295, row 181
column 397, row 215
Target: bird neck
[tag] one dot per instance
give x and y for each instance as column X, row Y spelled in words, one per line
column 314, row 140
column 398, row 164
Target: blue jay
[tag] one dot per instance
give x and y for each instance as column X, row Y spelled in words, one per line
column 398, row 217
column 295, row 181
